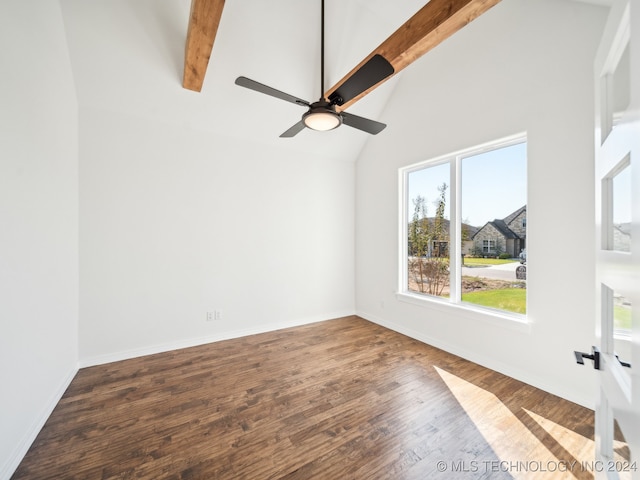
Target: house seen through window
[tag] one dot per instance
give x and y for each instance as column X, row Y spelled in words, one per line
column 466, row 227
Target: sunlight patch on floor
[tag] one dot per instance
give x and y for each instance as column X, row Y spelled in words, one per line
column 581, row 448
column 521, row 453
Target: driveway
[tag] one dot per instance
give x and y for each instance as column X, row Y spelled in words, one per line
column 506, row 271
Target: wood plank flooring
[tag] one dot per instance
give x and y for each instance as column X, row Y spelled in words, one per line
column 342, row 399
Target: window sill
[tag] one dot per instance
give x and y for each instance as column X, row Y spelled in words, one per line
column 512, row 321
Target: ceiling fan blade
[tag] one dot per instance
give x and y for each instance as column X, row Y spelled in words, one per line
column 293, row 131
column 430, row 26
column 375, row 70
column 361, row 123
column 204, row 19
column 259, row 87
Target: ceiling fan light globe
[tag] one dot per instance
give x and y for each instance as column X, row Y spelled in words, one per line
column 322, row 121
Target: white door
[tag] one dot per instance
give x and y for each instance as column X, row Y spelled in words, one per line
column 617, row 187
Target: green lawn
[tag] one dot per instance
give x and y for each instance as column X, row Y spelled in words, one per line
column 509, row 299
column 621, row 318
column 474, row 262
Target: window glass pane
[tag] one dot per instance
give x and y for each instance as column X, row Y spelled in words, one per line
column 621, row 314
column 621, row 218
column 428, row 231
column 494, row 228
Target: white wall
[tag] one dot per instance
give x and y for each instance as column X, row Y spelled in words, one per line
column 38, row 222
column 526, row 65
column 176, row 222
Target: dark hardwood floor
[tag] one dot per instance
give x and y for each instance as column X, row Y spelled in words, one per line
column 342, row 399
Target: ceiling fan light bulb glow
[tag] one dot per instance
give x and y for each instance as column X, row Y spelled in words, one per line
column 322, row 121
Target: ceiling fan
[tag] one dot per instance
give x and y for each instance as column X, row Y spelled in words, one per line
column 436, row 21
column 322, row 114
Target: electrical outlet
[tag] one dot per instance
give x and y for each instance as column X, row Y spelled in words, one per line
column 217, row 314
column 211, row 316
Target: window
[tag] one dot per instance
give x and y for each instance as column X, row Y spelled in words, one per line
column 619, row 227
column 488, row 246
column 464, row 227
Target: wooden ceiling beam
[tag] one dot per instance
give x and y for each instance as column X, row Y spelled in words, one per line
column 435, row 22
column 204, row 19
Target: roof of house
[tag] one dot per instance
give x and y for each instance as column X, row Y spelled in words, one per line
column 502, row 227
column 509, row 218
column 502, row 224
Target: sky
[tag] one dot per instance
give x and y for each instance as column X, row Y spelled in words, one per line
column 494, row 184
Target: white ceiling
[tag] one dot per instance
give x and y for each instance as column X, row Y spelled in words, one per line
column 127, row 55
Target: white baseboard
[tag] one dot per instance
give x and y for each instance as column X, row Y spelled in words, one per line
column 194, row 342
column 490, row 363
column 23, row 444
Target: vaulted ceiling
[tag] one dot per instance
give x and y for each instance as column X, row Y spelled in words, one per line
column 128, row 56
column 426, row 29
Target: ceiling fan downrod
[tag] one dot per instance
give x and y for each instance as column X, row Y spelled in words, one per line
column 322, row 115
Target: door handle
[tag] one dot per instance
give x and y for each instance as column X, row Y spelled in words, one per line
column 624, row 364
column 594, row 355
